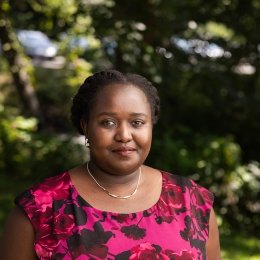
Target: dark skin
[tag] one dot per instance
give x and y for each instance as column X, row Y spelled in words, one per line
column 119, row 130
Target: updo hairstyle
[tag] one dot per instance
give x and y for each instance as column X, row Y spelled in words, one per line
column 88, row 91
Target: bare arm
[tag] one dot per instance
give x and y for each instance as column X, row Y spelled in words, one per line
column 18, row 237
column 213, row 245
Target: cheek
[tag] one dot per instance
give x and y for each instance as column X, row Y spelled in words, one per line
column 99, row 137
column 145, row 139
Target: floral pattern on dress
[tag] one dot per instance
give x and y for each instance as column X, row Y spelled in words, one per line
column 67, row 227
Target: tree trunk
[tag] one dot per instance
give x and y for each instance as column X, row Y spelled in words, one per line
column 18, row 69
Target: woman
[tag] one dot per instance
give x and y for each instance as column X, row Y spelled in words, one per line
column 114, row 206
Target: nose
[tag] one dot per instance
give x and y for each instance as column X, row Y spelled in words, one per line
column 123, row 133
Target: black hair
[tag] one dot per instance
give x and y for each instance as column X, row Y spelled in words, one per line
column 85, row 97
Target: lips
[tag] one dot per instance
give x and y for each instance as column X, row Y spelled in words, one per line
column 124, row 150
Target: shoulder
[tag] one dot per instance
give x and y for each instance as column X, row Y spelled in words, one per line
column 39, row 197
column 196, row 193
column 50, row 186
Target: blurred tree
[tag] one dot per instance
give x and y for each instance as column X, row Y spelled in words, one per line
column 53, row 18
column 18, row 67
column 204, row 58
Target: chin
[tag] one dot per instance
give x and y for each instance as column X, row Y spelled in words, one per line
column 125, row 169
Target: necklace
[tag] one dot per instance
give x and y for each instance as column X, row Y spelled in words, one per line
column 113, row 195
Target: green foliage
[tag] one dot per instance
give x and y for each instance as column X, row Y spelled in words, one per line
column 214, row 162
column 209, row 126
column 27, row 154
column 55, row 89
column 240, row 247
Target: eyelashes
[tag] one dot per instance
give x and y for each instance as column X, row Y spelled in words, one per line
column 138, row 123
column 108, row 123
column 111, row 123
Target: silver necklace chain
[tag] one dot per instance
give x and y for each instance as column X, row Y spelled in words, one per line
column 113, row 195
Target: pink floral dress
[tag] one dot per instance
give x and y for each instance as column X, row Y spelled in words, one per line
column 67, row 227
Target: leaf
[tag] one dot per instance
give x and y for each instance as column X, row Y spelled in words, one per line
column 159, row 220
column 80, row 216
column 98, row 236
column 197, row 243
column 57, row 204
column 104, row 215
column 99, row 251
column 133, row 216
column 69, row 209
column 58, row 256
column 184, row 234
column 134, row 232
column 89, row 238
column 157, row 247
column 98, row 227
column 124, row 255
column 181, row 210
column 147, row 214
column 187, row 221
column 78, row 212
column 81, row 202
column 73, row 241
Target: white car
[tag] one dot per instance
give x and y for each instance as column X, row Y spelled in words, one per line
column 37, row 44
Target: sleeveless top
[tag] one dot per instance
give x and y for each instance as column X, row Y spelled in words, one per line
column 67, row 227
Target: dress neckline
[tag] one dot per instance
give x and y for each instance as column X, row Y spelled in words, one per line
column 150, row 209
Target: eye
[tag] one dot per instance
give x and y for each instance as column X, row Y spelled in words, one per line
column 138, row 123
column 108, row 123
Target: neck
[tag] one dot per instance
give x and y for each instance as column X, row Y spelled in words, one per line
column 120, row 188
column 113, row 179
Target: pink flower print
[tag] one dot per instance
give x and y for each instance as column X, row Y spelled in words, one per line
column 146, row 251
column 56, row 189
column 63, row 225
column 183, row 255
column 170, row 202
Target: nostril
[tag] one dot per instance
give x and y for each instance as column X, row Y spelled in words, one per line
column 123, row 138
column 123, row 135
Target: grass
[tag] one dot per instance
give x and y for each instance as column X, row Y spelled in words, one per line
column 240, row 246
column 234, row 246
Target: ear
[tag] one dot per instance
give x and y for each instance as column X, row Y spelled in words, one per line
column 83, row 125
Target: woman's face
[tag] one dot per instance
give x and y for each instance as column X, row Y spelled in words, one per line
column 119, row 129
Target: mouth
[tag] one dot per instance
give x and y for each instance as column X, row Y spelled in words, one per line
column 124, row 151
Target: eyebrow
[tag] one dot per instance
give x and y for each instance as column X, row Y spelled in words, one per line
column 115, row 114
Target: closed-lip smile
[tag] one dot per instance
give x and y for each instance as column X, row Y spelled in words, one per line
column 124, row 150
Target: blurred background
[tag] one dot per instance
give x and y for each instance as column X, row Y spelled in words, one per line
column 203, row 56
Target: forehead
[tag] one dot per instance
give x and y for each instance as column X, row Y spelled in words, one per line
column 120, row 97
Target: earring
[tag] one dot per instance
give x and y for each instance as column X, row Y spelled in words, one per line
column 86, row 142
